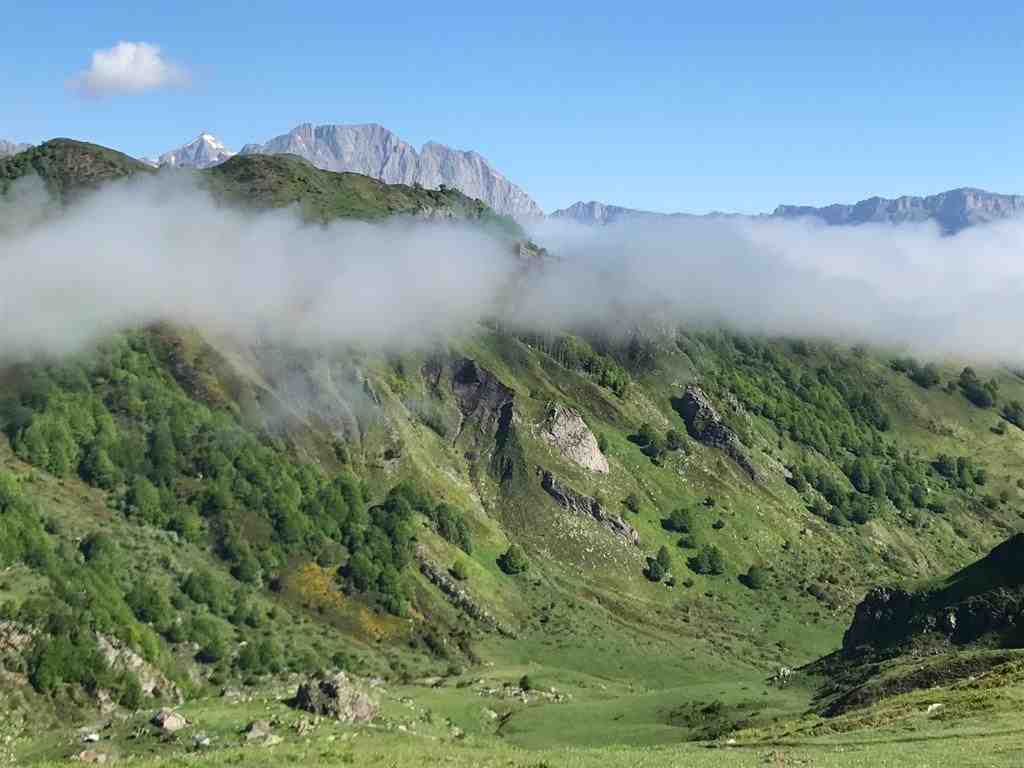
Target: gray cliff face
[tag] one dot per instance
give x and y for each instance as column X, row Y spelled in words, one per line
column 12, row 148
column 953, row 211
column 375, row 151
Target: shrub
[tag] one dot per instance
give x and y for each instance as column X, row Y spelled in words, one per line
column 654, row 571
column 100, row 549
column 708, row 560
column 681, row 521
column 674, row 441
column 756, row 577
column 664, row 558
column 459, row 571
column 150, row 604
column 632, row 503
column 514, row 560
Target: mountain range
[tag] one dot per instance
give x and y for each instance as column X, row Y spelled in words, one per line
column 953, row 211
column 373, row 150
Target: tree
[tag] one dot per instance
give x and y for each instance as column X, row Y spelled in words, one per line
column 708, row 560
column 144, row 499
column 654, row 570
column 664, row 559
column 647, row 434
column 632, row 503
column 681, row 521
column 162, row 453
column 1013, row 412
column 514, row 560
column 150, row 604
column 100, row 549
column 981, row 394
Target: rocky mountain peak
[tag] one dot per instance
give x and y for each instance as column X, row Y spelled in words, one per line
column 204, row 151
column 373, row 150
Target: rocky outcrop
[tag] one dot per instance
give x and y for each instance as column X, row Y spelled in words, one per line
column 375, row 151
column 587, row 506
column 984, row 603
column 121, row 658
column 565, row 429
column 953, row 211
column 336, row 697
column 480, row 395
column 705, row 424
column 458, row 596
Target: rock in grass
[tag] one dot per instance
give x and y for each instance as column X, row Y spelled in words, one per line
column 257, row 730
column 336, row 697
column 169, row 721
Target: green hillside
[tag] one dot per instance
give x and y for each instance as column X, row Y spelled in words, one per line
column 546, row 550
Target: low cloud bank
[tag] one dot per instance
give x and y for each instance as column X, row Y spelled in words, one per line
column 161, row 249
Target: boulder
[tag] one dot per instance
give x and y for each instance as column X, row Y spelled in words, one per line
column 565, row 430
column 336, row 697
column 257, row 730
column 91, row 756
column 169, row 721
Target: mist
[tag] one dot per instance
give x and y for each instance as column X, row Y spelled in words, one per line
column 904, row 286
column 162, row 249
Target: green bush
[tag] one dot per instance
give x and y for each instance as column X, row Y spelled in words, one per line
column 459, row 571
column 513, row 561
column 756, row 577
column 708, row 560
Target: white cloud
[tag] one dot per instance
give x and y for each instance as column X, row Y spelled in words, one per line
column 128, row 68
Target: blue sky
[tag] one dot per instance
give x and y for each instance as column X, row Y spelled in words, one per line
column 663, row 106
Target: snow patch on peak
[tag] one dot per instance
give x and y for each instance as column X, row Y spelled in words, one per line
column 204, row 151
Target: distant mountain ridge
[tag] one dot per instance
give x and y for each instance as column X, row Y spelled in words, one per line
column 953, row 210
column 12, row 147
column 600, row 214
column 373, row 150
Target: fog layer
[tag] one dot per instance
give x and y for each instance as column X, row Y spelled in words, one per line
column 162, row 249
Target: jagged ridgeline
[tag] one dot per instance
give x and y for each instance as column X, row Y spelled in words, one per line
column 623, row 517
